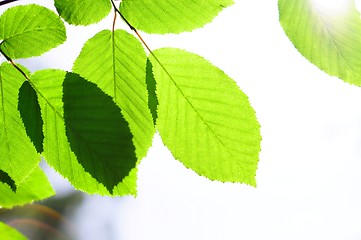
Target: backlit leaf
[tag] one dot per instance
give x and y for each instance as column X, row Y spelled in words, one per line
column 18, row 155
column 9, row 233
column 87, row 131
column 36, row 187
column 30, row 30
column 116, row 62
column 171, row 16
column 329, row 39
column 83, row 12
column 204, row 118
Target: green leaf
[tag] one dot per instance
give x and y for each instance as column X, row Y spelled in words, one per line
column 29, row 31
column 9, row 233
column 97, row 132
column 87, row 133
column 329, row 40
column 18, row 155
column 204, row 118
column 29, row 109
column 171, row 16
column 116, row 62
column 83, row 12
column 5, row 178
column 36, row 187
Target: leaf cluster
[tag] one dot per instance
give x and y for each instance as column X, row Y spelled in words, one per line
column 94, row 125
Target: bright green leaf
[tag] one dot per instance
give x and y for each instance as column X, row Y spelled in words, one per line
column 29, row 109
column 36, row 187
column 97, row 132
column 83, row 12
column 30, row 30
column 9, row 233
column 18, row 155
column 171, row 16
column 204, row 118
column 60, row 154
column 330, row 40
column 116, row 62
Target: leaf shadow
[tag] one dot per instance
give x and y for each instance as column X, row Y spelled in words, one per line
column 5, row 178
column 151, row 87
column 97, row 132
column 30, row 113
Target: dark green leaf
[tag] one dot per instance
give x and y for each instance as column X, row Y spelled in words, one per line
column 97, row 132
column 60, row 154
column 30, row 113
column 152, row 97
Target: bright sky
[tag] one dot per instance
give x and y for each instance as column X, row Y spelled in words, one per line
column 309, row 181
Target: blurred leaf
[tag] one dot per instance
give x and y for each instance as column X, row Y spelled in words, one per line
column 171, row 16
column 30, row 30
column 329, row 40
column 97, row 132
column 18, row 155
column 9, row 233
column 74, row 160
column 116, row 62
column 36, row 187
column 204, row 118
column 83, row 12
column 29, row 109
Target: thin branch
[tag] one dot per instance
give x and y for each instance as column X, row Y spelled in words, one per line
column 132, row 28
column 7, row 1
column 14, row 64
column 140, row 38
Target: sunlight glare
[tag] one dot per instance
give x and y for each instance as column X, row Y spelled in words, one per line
column 332, row 7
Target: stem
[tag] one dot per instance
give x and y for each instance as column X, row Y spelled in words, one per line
column 132, row 28
column 14, row 64
column 140, row 38
column 7, row 1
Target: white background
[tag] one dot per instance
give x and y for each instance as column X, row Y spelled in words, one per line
column 309, row 175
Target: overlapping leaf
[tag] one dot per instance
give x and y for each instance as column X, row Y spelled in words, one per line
column 30, row 113
column 116, row 62
column 9, row 233
column 97, row 132
column 171, row 16
column 35, row 187
column 30, row 30
column 83, row 12
column 92, row 161
column 18, row 155
column 6, row 179
column 329, row 40
column 204, row 118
